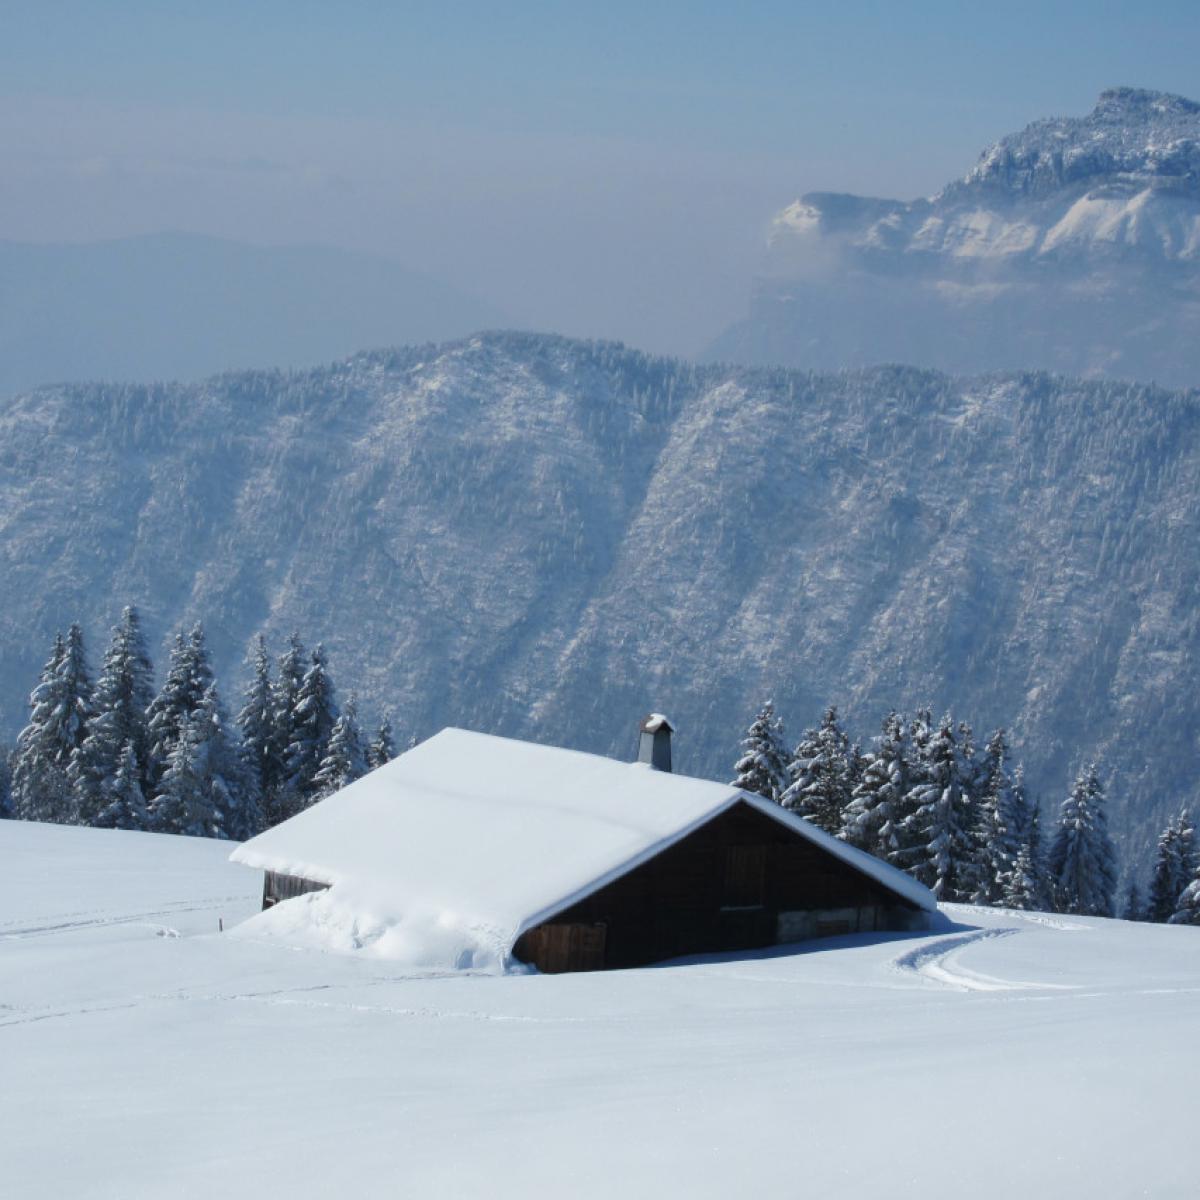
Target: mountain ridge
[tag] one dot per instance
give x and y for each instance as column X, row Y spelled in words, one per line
column 542, row 537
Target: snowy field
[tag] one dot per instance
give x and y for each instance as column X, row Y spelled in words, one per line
column 144, row 1054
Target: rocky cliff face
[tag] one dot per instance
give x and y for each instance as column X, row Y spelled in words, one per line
column 1072, row 246
column 548, row 538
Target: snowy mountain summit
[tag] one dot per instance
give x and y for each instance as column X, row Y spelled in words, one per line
column 1073, row 245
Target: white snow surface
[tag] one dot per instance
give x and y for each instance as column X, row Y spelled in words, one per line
column 147, row 1055
column 444, row 856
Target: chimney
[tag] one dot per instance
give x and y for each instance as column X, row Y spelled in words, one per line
column 654, row 743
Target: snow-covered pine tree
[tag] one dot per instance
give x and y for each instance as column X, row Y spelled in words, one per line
column 762, row 767
column 344, row 761
column 1023, row 887
column 820, row 775
column 1174, row 866
column 221, row 767
column 1083, row 861
column 204, row 792
column 125, row 806
column 184, row 802
column 6, row 809
column 873, row 818
column 1003, row 822
column 312, row 722
column 1135, row 907
column 289, row 676
column 942, row 852
column 257, row 722
column 60, row 707
column 189, row 676
column 1187, row 911
column 123, row 694
column 383, row 746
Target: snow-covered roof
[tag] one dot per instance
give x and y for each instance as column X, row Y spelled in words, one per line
column 492, row 835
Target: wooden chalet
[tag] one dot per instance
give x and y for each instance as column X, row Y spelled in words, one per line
column 572, row 862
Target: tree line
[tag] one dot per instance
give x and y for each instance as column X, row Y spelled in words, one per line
column 927, row 799
column 118, row 754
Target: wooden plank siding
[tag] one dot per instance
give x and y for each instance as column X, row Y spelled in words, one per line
column 724, row 887
column 277, row 886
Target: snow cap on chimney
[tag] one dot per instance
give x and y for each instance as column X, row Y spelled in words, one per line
column 654, row 742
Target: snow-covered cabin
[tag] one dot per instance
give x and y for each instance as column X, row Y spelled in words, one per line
column 571, row 861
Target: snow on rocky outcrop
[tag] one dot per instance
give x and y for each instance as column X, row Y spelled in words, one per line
column 1073, row 246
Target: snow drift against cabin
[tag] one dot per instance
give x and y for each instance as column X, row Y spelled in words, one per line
column 447, row 854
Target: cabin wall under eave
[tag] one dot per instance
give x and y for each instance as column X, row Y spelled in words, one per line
column 741, row 881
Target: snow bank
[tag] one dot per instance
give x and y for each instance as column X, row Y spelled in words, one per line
column 343, row 920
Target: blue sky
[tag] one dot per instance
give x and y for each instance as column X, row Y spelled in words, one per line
column 606, row 167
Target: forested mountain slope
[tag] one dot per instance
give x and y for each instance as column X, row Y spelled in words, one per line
column 544, row 537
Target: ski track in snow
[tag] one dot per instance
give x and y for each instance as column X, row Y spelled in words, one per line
column 63, row 925
column 937, row 962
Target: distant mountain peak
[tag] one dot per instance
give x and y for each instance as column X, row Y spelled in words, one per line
column 1132, row 134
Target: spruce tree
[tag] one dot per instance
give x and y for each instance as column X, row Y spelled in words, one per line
column 125, row 804
column 940, row 828
column 876, row 811
column 122, row 697
column 1174, row 866
column 312, row 723
column 278, row 804
column 221, row 767
column 184, row 802
column 257, row 723
column 383, row 746
column 762, row 767
column 1003, row 821
column 1023, row 886
column 345, row 760
column 6, row 807
column 60, row 707
column 189, row 676
column 820, row 773
column 1135, row 908
column 203, row 791
column 1187, row 911
column 1083, row 866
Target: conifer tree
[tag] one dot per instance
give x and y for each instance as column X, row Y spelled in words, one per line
column 1083, row 867
column 189, row 676
column 1003, row 822
column 820, row 775
column 312, row 723
column 874, row 816
column 257, row 723
column 278, row 805
column 203, row 791
column 6, row 808
column 60, row 707
column 942, row 852
column 125, row 804
column 383, row 746
column 1174, row 866
column 1135, row 908
column 344, row 761
column 1187, row 911
column 184, row 804
column 233, row 792
column 762, row 767
column 122, row 697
